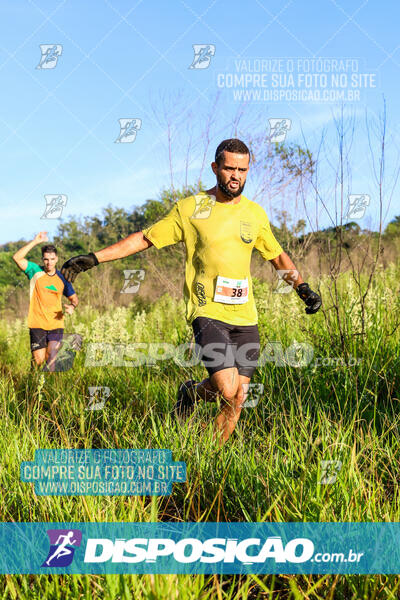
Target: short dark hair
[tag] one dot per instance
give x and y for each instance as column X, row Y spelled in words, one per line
column 49, row 248
column 231, row 145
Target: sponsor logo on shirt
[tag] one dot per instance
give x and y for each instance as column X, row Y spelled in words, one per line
column 246, row 232
column 200, row 293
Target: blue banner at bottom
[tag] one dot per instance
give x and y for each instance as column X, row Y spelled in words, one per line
column 173, row 548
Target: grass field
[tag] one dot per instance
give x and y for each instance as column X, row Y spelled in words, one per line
column 268, row 471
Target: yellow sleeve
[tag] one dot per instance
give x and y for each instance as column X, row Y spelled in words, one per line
column 266, row 243
column 167, row 231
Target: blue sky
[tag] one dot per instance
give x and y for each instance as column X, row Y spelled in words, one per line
column 119, row 60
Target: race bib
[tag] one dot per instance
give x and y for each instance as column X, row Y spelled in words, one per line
column 231, row 291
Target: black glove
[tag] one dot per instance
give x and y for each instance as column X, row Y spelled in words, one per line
column 76, row 264
column 310, row 298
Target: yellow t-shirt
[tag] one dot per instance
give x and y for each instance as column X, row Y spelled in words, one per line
column 219, row 240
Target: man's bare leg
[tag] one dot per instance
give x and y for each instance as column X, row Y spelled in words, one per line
column 228, row 417
column 38, row 358
column 205, row 390
column 51, row 354
column 233, row 389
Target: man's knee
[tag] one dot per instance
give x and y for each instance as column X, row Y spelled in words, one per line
column 227, row 390
column 234, row 398
column 38, row 360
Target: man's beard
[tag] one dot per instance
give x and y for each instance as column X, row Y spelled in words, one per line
column 225, row 190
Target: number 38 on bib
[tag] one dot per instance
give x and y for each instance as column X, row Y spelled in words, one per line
column 231, row 291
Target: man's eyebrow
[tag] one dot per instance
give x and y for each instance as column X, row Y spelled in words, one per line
column 240, row 168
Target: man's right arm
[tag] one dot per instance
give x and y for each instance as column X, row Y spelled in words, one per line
column 167, row 231
column 19, row 256
column 136, row 242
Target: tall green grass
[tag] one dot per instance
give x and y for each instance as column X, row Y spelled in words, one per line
column 268, row 471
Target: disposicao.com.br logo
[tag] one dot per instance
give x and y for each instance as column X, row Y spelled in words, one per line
column 190, row 550
column 169, row 547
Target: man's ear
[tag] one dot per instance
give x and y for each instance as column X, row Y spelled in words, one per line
column 214, row 167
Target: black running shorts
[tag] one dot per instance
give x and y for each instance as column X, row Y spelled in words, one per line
column 224, row 345
column 41, row 337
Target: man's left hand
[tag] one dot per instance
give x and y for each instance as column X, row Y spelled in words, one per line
column 310, row 298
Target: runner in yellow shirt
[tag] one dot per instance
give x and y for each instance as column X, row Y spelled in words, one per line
column 220, row 228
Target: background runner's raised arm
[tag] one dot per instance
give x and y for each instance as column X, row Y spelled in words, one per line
column 19, row 256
